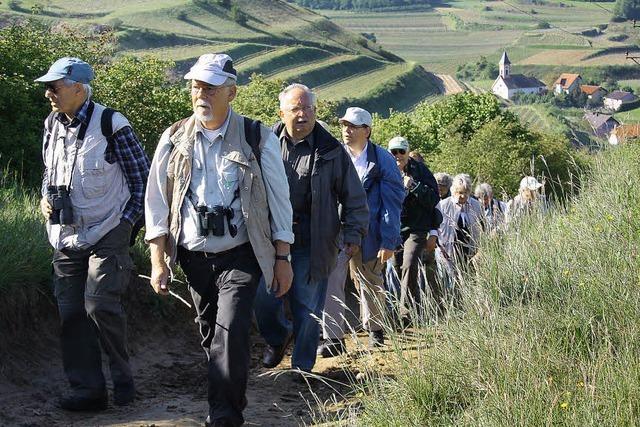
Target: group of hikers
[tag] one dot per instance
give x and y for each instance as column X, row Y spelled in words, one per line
column 257, row 219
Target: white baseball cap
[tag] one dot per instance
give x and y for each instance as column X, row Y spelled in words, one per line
column 357, row 116
column 529, row 183
column 213, row 68
column 398, row 142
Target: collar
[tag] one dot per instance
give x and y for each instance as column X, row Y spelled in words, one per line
column 220, row 132
column 362, row 154
column 284, row 136
column 81, row 116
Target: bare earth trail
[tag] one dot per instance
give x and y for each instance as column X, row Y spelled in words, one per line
column 449, row 85
column 170, row 374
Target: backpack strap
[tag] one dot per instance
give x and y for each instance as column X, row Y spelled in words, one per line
column 48, row 128
column 253, row 136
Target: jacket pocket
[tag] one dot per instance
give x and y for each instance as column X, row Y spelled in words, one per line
column 93, row 177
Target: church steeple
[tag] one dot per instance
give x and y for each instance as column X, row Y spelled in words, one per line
column 505, row 65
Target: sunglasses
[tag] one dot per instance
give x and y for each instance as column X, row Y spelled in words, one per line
column 52, row 88
column 398, row 151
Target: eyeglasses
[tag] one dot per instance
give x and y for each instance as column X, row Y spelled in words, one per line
column 352, row 126
column 208, row 90
column 398, row 151
column 51, row 88
column 296, row 110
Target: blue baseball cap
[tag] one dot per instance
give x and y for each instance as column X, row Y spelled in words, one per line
column 68, row 68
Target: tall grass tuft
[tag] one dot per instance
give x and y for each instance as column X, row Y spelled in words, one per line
column 548, row 330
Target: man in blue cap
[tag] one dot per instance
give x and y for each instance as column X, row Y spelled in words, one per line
column 95, row 172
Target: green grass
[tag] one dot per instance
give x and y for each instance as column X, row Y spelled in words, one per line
column 627, row 117
column 548, row 330
column 331, row 73
column 282, row 59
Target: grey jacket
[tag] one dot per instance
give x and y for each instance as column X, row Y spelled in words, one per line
column 334, row 181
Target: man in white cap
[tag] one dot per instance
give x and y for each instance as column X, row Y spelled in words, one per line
column 92, row 195
column 420, row 221
column 382, row 182
column 528, row 200
column 217, row 202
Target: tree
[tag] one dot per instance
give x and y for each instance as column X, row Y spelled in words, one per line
column 629, row 9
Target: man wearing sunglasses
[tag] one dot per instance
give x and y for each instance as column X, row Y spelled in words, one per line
column 92, row 195
column 420, row 221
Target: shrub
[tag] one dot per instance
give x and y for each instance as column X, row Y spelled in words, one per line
column 543, row 25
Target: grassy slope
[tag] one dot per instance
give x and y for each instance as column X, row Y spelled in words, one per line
column 550, row 328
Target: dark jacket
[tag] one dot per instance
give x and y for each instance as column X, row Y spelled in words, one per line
column 385, row 193
column 419, row 213
column 333, row 181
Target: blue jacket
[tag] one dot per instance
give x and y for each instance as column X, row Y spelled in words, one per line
column 385, row 194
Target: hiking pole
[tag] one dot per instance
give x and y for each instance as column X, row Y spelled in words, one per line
column 173, row 294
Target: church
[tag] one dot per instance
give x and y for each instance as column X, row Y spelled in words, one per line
column 507, row 84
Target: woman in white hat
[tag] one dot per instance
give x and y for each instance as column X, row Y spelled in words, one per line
column 528, row 200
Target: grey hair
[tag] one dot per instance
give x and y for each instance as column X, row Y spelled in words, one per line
column 293, row 86
column 86, row 86
column 443, row 178
column 482, row 190
column 461, row 184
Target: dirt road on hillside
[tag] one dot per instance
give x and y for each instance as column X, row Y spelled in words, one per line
column 449, row 85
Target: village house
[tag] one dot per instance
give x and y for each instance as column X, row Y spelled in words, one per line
column 619, row 98
column 601, row 124
column 594, row 93
column 507, row 84
column 567, row 83
column 624, row 133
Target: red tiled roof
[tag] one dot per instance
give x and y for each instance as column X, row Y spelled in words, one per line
column 627, row 131
column 589, row 89
column 566, row 80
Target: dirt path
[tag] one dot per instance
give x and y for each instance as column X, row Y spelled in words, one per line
column 449, row 85
column 170, row 374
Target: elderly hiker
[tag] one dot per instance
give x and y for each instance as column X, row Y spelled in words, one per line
column 382, row 182
column 460, row 230
column 444, row 184
column 528, row 201
column 419, row 227
column 95, row 170
column 494, row 209
column 321, row 176
column 217, row 202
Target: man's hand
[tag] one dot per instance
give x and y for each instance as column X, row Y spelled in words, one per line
column 160, row 278
column 384, row 255
column 432, row 243
column 351, row 249
column 282, row 278
column 45, row 208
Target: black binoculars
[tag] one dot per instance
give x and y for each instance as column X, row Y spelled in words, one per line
column 211, row 220
column 61, row 208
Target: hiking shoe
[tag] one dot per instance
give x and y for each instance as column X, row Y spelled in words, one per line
column 376, row 339
column 273, row 355
column 331, row 347
column 81, row 404
column 124, row 394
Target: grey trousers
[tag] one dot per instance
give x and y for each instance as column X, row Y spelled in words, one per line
column 368, row 279
column 88, row 286
column 406, row 265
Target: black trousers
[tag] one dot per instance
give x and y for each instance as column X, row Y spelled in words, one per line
column 223, row 287
column 88, row 285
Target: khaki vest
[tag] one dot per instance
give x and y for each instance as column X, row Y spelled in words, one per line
column 253, row 196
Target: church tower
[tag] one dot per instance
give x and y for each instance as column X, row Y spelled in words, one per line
column 505, row 65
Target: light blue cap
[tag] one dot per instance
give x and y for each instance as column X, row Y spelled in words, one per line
column 68, row 68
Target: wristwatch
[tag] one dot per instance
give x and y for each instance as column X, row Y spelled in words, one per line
column 286, row 257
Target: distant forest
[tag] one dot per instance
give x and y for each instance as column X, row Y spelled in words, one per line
column 362, row 4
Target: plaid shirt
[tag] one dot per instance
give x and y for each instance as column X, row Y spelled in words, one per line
column 128, row 152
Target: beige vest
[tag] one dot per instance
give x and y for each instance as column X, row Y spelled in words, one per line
column 253, row 196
